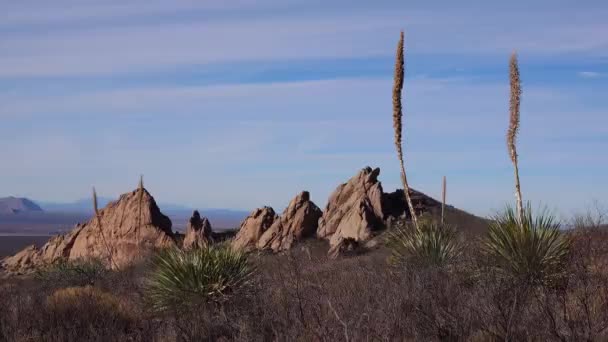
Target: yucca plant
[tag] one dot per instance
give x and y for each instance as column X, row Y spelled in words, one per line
column 443, row 194
column 398, row 124
column 531, row 250
column 140, row 197
column 430, row 243
column 527, row 248
column 180, row 279
column 514, row 105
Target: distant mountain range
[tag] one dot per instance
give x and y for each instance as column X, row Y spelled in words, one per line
column 24, row 215
column 86, row 205
column 15, row 205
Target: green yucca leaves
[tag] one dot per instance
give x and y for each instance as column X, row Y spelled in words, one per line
column 430, row 243
column 181, row 279
column 533, row 250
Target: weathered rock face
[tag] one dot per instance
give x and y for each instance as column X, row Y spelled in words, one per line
column 354, row 209
column 198, row 232
column 25, row 259
column 253, row 227
column 299, row 220
column 130, row 227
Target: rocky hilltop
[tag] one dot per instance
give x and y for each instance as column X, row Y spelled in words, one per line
column 133, row 225
column 355, row 212
column 130, row 227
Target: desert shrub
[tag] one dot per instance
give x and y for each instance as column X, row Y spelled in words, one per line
column 180, row 279
column 430, row 243
column 64, row 301
column 86, row 313
column 533, row 251
column 72, row 273
column 30, row 311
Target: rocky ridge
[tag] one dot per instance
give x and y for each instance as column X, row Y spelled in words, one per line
column 130, row 227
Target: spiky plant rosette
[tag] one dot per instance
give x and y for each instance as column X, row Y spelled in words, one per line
column 533, row 251
column 430, row 243
column 180, row 279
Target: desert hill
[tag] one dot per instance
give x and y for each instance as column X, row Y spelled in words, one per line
column 134, row 225
column 17, row 205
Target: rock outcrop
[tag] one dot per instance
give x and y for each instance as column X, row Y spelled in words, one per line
column 25, row 259
column 253, row 227
column 299, row 220
column 354, row 209
column 198, row 232
column 130, row 227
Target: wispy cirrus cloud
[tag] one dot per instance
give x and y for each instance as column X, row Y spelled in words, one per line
column 248, row 102
column 590, row 74
column 139, row 45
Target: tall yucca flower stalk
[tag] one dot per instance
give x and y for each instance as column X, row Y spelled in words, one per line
column 397, row 123
column 514, row 105
column 443, row 193
column 102, row 233
column 140, row 193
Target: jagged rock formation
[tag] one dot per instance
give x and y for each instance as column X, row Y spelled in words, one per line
column 253, row 227
column 198, row 232
column 25, row 259
column 354, row 209
column 299, row 220
column 130, row 227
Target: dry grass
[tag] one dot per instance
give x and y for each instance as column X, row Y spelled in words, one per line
column 69, row 299
column 304, row 296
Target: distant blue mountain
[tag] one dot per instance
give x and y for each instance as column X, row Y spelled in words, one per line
column 179, row 214
column 83, row 205
column 16, row 205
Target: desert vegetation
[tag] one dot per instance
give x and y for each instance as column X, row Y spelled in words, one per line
column 424, row 277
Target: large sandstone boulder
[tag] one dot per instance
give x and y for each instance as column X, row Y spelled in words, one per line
column 299, row 220
column 354, row 209
column 130, row 227
column 198, row 232
column 25, row 259
column 253, row 227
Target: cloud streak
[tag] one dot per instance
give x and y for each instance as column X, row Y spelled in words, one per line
column 242, row 104
column 143, row 45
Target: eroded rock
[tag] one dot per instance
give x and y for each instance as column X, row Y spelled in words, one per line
column 253, row 227
column 130, row 227
column 299, row 220
column 198, row 232
column 354, row 209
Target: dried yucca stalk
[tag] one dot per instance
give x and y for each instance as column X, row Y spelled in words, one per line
column 397, row 124
column 140, row 193
column 443, row 193
column 514, row 105
column 103, row 236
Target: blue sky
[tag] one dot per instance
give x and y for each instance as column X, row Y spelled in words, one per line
column 244, row 103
